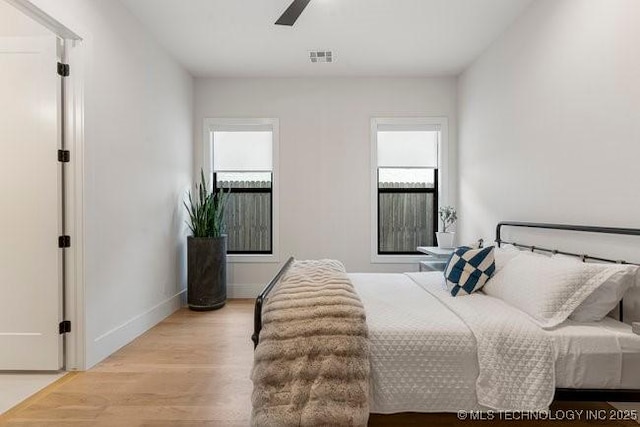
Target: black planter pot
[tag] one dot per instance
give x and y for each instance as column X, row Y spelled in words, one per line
column 207, row 272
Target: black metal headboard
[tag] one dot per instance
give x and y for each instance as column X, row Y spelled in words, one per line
column 567, row 227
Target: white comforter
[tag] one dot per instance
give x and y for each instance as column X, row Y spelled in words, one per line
column 424, row 355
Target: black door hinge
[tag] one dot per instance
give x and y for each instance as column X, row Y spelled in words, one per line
column 64, row 241
column 64, row 156
column 64, row 327
column 63, row 69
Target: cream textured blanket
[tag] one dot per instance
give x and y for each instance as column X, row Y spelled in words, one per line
column 311, row 366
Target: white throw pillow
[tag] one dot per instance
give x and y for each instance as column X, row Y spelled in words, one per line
column 548, row 289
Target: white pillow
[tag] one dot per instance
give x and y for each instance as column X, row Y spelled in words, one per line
column 504, row 254
column 605, row 297
column 548, row 289
column 507, row 252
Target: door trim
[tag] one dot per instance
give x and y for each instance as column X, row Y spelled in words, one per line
column 44, row 19
column 74, row 296
column 74, row 52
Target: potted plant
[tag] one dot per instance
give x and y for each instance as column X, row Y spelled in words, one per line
column 206, row 249
column 448, row 217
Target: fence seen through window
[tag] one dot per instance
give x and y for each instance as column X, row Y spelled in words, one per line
column 407, row 209
column 248, row 214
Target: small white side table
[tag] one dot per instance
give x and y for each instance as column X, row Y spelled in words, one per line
column 436, row 259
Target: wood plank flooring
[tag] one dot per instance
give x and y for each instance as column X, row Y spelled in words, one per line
column 190, row 370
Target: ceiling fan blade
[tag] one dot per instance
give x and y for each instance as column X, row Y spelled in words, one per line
column 292, row 13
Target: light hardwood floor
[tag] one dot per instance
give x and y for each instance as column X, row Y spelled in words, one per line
column 190, row 370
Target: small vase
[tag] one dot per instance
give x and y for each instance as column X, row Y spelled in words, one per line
column 445, row 240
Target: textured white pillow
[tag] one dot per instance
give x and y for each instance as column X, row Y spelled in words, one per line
column 504, row 254
column 547, row 289
column 605, row 297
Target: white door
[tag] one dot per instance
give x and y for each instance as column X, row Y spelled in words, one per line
column 30, row 260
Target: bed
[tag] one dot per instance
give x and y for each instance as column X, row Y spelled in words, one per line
column 407, row 327
column 433, row 353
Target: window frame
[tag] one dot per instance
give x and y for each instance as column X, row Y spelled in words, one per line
column 406, row 123
column 212, row 124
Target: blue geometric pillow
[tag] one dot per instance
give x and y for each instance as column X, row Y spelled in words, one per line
column 469, row 269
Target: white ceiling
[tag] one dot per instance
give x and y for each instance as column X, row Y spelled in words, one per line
column 368, row 37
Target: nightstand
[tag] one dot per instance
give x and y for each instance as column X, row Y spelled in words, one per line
column 436, row 259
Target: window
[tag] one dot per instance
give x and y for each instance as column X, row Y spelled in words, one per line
column 407, row 161
column 242, row 158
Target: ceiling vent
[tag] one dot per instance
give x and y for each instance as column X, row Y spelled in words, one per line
column 321, row 56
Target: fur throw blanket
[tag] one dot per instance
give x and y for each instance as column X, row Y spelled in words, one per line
column 311, row 366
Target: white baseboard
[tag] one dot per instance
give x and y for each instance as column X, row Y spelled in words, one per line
column 244, row 290
column 111, row 341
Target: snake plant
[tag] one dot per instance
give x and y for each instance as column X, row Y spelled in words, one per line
column 206, row 212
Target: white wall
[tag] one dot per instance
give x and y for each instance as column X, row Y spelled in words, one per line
column 550, row 119
column 138, row 163
column 324, row 157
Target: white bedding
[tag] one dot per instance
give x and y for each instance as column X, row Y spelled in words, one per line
column 424, row 357
column 603, row 354
column 515, row 356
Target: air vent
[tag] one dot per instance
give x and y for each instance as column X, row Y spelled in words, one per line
column 321, row 56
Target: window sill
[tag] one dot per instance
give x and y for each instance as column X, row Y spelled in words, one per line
column 252, row 258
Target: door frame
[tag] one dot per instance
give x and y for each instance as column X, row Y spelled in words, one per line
column 73, row 106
